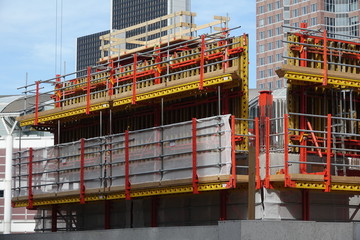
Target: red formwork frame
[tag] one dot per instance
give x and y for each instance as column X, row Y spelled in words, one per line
column 82, row 171
column 127, row 170
column 303, row 51
column 327, row 176
column 88, row 90
column 30, row 175
column 267, row 153
column 195, row 179
column 232, row 180
column 257, row 154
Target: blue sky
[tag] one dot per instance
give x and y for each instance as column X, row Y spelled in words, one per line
column 28, row 34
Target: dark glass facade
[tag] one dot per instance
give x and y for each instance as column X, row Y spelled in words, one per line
column 88, row 52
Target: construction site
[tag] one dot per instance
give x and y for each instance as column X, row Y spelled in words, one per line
column 161, row 136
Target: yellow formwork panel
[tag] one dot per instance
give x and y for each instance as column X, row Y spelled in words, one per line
column 134, row 194
column 333, row 187
column 122, row 101
column 336, row 82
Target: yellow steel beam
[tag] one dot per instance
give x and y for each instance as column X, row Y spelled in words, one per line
column 174, row 90
column 121, row 195
column 349, row 187
column 122, row 101
column 336, row 82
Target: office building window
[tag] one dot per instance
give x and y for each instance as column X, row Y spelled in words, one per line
column 270, row 20
column 278, row 83
column 261, row 9
column 313, row 7
column 261, row 35
column 313, row 21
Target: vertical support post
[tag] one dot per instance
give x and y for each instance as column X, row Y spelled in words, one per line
column 133, row 100
column 82, row 172
column 54, row 209
column 7, row 184
column 327, row 176
column 303, row 150
column 58, row 92
column 157, row 72
column 223, row 202
column 107, row 215
column 154, row 210
column 127, row 178
column 325, row 80
column 257, row 154
column 195, row 180
column 303, row 51
column 30, row 175
column 111, row 79
column 202, row 62
column 36, row 121
column 305, row 204
column 232, row 180
column 88, row 90
column 267, row 152
column 287, row 182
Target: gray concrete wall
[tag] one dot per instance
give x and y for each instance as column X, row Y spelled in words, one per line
column 234, row 230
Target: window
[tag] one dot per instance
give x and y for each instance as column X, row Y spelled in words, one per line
column 269, row 7
column 278, row 83
column 261, row 61
column 296, row 24
column 277, row 4
column 278, row 17
column 295, row 12
column 261, row 48
column 261, row 9
column 278, row 30
column 269, row 46
column 262, row 35
column 261, row 86
column 278, row 43
column 270, row 20
column 313, row 7
column 270, row 85
column 304, row 10
column 270, row 72
column 295, row 1
column 262, row 74
column 261, row 22
column 1, row 193
column 270, row 32
column 278, row 57
column 313, row 21
column 270, row 59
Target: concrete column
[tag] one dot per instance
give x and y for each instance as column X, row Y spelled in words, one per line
column 7, row 184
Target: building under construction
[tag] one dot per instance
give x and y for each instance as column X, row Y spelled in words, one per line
column 160, row 135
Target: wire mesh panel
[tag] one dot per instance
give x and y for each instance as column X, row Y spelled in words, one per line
column 20, row 174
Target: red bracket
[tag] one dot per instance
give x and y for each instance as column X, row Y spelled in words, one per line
column 127, row 178
column 195, row 179
column 88, row 90
column 327, row 175
column 82, row 172
column 30, row 175
column 232, row 180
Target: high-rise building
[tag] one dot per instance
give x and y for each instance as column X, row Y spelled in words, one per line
column 336, row 16
column 125, row 13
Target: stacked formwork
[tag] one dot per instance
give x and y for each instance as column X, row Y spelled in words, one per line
column 162, row 120
column 316, row 152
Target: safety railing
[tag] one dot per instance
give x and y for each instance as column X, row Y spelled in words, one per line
column 131, row 75
column 323, row 145
column 187, row 150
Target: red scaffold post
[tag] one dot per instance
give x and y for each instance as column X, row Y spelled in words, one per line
column 195, row 180
column 127, row 163
column 257, row 154
column 133, row 100
column 30, row 175
column 202, row 62
column 82, row 171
